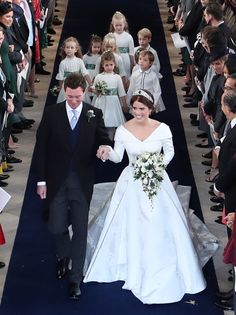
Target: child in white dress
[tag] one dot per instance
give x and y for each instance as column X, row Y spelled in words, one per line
column 145, row 78
column 109, row 43
column 72, row 61
column 144, row 39
column 112, row 99
column 124, row 41
column 90, row 59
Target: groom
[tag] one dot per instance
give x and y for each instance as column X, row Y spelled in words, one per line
column 67, row 140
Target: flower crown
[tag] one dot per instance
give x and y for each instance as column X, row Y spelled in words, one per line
column 144, row 94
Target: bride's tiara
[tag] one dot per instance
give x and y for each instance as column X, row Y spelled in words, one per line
column 144, row 94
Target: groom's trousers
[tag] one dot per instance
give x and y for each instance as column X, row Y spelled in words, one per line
column 70, row 207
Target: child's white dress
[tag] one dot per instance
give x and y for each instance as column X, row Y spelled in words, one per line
column 147, row 80
column 156, row 64
column 125, row 44
column 66, row 67
column 119, row 65
column 90, row 64
column 110, row 103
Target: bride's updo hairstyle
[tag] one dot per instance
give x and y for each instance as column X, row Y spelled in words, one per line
column 143, row 96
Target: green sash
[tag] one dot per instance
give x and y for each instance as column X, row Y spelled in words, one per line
column 111, row 92
column 124, row 50
column 90, row 66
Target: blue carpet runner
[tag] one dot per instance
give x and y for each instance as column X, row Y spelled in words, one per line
column 31, row 286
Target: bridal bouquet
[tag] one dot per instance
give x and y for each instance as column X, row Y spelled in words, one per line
column 101, row 87
column 149, row 168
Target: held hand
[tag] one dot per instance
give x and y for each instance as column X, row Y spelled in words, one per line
column 42, row 191
column 103, row 152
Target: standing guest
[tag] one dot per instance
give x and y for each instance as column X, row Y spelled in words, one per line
column 213, row 15
column 230, row 255
column 226, row 183
column 151, row 257
column 6, row 106
column 69, row 135
column 212, row 107
column 2, row 241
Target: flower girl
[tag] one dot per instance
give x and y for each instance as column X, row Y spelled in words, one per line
column 111, row 96
column 109, row 43
column 90, row 59
column 124, row 40
column 71, row 62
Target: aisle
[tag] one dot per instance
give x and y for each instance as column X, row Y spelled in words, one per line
column 31, row 286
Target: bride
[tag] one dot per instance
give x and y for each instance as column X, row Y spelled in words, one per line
column 145, row 243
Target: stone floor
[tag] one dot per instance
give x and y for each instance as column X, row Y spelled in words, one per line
column 17, row 181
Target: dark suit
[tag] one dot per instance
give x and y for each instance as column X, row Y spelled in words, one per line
column 226, row 182
column 192, row 22
column 67, row 168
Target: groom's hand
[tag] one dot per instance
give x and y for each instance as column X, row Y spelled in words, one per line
column 103, row 152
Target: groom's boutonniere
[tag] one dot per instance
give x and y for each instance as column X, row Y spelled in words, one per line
column 90, row 114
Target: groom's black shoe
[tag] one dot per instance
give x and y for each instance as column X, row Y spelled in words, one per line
column 74, row 291
column 62, row 267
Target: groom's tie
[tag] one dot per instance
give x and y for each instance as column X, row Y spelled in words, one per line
column 74, row 118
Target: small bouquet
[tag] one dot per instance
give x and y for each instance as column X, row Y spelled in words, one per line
column 101, row 87
column 55, row 90
column 149, row 168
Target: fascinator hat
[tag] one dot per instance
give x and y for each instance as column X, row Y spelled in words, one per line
column 5, row 7
column 143, row 93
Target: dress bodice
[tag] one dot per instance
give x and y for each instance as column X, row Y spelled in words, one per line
column 160, row 139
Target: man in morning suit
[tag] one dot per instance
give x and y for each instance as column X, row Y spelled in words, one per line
column 226, row 182
column 67, row 140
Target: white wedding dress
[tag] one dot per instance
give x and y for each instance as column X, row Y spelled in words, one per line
column 149, row 248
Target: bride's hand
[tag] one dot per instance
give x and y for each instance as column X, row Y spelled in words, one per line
column 103, row 152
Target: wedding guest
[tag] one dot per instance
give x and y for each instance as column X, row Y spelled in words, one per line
column 213, row 15
column 133, row 237
column 2, row 241
column 230, row 256
column 226, row 182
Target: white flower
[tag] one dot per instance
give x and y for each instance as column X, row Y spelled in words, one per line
column 101, row 87
column 90, row 114
column 149, row 168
